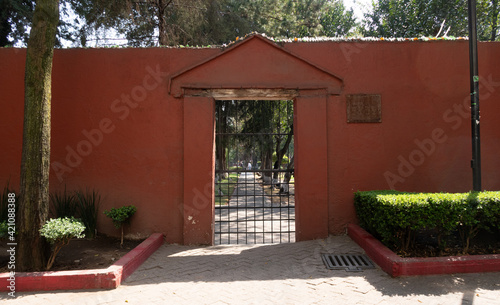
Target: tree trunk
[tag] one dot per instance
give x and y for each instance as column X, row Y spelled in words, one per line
column 494, row 19
column 33, row 250
column 285, row 186
column 280, row 153
column 267, row 162
column 162, row 24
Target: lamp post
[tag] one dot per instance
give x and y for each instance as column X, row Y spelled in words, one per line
column 474, row 93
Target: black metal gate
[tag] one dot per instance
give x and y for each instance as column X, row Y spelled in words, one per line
column 254, row 183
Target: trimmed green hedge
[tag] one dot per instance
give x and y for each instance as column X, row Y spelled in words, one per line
column 396, row 217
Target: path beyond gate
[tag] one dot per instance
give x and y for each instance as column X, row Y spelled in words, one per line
column 253, row 217
column 254, row 187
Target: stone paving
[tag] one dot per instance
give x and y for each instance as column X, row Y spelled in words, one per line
column 273, row 274
column 251, row 218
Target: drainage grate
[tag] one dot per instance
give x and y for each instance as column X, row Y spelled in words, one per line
column 349, row 262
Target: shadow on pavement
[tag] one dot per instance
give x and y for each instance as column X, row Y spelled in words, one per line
column 295, row 262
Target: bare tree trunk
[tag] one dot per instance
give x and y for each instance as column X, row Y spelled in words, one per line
column 33, row 250
column 267, row 163
column 162, row 24
column 285, row 186
column 280, row 153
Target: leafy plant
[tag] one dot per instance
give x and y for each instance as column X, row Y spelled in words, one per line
column 396, row 217
column 88, row 203
column 4, row 229
column 121, row 216
column 59, row 232
column 63, row 204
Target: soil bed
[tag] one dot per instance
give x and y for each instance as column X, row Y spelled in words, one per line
column 98, row 253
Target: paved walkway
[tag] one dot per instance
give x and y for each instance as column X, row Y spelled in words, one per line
column 251, row 218
column 273, row 274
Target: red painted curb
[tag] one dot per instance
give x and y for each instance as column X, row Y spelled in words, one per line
column 398, row 266
column 108, row 278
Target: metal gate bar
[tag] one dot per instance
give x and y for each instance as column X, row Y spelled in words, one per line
column 251, row 207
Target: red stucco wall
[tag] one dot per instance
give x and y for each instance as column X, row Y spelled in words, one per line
column 117, row 129
column 425, row 100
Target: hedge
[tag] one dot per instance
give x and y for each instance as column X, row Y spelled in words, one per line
column 396, row 217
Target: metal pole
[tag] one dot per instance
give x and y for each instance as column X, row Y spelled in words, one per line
column 474, row 92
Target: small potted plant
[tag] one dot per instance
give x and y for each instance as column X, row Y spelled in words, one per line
column 121, row 216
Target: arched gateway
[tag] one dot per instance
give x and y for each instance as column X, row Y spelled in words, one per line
column 255, row 69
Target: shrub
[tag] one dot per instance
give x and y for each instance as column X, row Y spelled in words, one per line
column 4, row 229
column 63, row 204
column 88, row 203
column 121, row 216
column 59, row 232
column 395, row 217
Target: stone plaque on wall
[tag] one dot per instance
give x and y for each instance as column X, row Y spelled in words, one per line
column 364, row 108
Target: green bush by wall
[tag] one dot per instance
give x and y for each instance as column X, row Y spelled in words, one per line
column 396, row 217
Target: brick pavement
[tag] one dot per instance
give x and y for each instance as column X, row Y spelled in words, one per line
column 273, row 274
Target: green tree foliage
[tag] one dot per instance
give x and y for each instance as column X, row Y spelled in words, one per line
column 415, row 18
column 296, row 18
column 490, row 14
column 288, row 18
column 121, row 216
column 15, row 18
column 179, row 22
column 273, row 120
column 336, row 20
column 143, row 23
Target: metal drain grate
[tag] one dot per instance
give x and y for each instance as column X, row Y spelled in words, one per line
column 349, row 262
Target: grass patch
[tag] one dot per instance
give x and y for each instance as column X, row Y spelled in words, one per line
column 225, row 188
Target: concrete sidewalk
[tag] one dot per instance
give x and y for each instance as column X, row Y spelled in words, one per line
column 273, row 274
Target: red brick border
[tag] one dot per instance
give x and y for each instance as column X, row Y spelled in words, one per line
column 398, row 266
column 108, row 278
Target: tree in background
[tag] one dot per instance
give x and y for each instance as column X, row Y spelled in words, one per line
column 33, row 250
column 15, row 18
column 303, row 18
column 415, row 18
column 489, row 18
column 271, row 122
column 336, row 20
column 163, row 22
column 209, row 22
column 181, row 22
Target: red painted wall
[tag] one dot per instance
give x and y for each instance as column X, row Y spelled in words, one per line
column 423, row 143
column 117, row 129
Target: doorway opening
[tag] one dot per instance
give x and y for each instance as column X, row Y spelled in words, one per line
column 254, row 172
